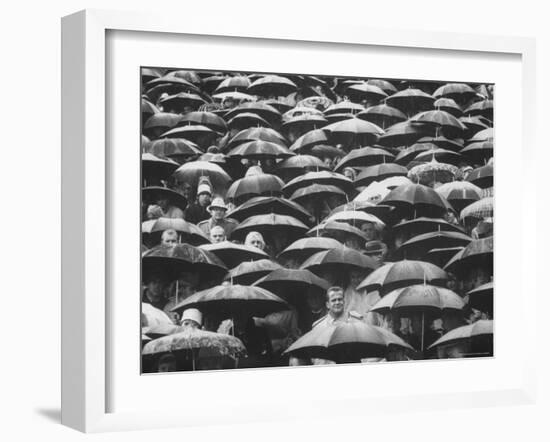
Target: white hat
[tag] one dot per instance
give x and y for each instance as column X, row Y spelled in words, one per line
column 204, row 188
column 193, row 314
column 217, row 203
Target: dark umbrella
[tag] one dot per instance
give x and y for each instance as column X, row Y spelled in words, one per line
column 460, row 193
column 187, row 232
column 323, row 151
column 364, row 157
column 441, row 255
column 247, row 273
column 322, row 178
column 337, row 230
column 395, row 275
column 152, row 194
column 478, row 253
column 182, row 100
column 461, row 93
column 255, row 185
column 155, row 169
column 448, row 105
column 260, row 150
column 270, row 223
column 308, row 140
column 148, row 74
column 285, row 282
column 190, row 76
column 401, row 134
column 192, row 172
column 441, row 122
column 418, row 226
column 478, row 335
column 208, row 119
column 483, row 108
column 257, row 134
column 201, row 135
column 478, row 152
column 346, row 342
column 473, row 125
column 270, row 204
column 272, row 85
column 418, row 246
column 245, row 120
column 297, row 165
column 232, row 254
column 482, row 176
column 353, row 132
column 455, row 144
column 261, row 109
column 378, row 173
column 440, row 155
column 234, row 301
column 382, row 115
column 160, row 123
column 317, row 192
column 303, row 248
column 411, row 101
column 364, row 91
column 481, row 298
column 417, row 200
column 406, row 155
column 385, row 85
column 238, row 83
column 178, row 149
column 341, row 258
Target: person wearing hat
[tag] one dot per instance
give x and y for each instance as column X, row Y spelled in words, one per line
column 217, row 211
column 191, row 318
column 376, row 250
column 197, row 211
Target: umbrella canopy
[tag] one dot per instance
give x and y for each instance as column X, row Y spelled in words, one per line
column 459, row 193
column 461, row 93
column 348, row 341
column 418, row 226
column 378, row 173
column 261, row 109
column 245, row 120
column 363, row 157
column 232, row 254
column 257, row 134
column 171, row 261
column 400, row 274
column 208, row 119
column 151, row 194
column 441, row 122
column 178, row 149
column 321, row 178
column 340, row 258
column 255, row 185
column 411, row 100
column 187, row 232
column 482, row 176
column 270, row 223
column 418, row 199
column 303, row 248
column 262, row 204
column 442, row 142
column 469, row 333
column 401, row 134
column 441, row 255
column 317, row 192
column 260, row 150
column 382, row 115
column 395, row 181
column 478, row 252
column 182, row 101
column 339, row 231
column 482, row 135
column 406, row 155
column 448, row 105
column 480, row 209
column 441, row 155
column 238, row 83
column 239, row 97
column 481, row 298
column 473, row 125
column 345, row 107
column 308, row 140
column 192, row 172
column 483, row 108
column 479, row 151
column 284, row 282
column 155, row 169
column 299, row 164
column 191, row 339
column 418, row 246
column 159, row 123
column 272, row 85
column 234, row 300
column 385, row 85
column 248, row 272
column 353, row 132
column 365, row 91
column 201, row 135
column 355, row 218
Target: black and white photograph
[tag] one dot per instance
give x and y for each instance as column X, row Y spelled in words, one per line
column 296, row 219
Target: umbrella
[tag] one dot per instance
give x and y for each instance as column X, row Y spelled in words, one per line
column 192, row 172
column 340, row 258
column 395, row 181
column 407, row 154
column 147, row 109
column 478, row 253
column 441, row 155
column 178, row 149
column 182, row 258
column 232, row 254
column 364, row 91
column 158, row 330
column 272, row 85
column 159, row 123
column 355, row 218
column 153, row 317
column 476, row 334
column 461, row 93
column 152, row 194
column 338, row 230
column 257, row 134
column 316, row 193
column 255, row 185
column 148, row 74
column 209, row 84
column 169, row 86
column 305, row 122
column 473, row 125
column 482, row 176
column 258, row 108
column 345, row 107
column 353, row 132
column 442, row 142
column 190, row 76
column 245, row 120
column 400, row 274
column 234, row 300
column 364, row 156
column 246, row 273
column 348, row 341
column 197, row 133
column 323, row 151
column 179, row 102
column 483, row 108
column 385, row 85
column 239, row 97
column 373, row 193
column 479, row 151
column 156, row 169
column 303, row 248
column 270, row 204
column 481, row 298
column 270, row 223
column 216, row 158
column 382, row 115
column 418, row 226
column 441, row 255
column 284, row 282
column 418, row 246
column 187, row 232
column 321, row 178
column 441, row 121
column 238, row 83
column 480, row 209
column 208, row 119
column 459, row 193
column 433, row 172
column 483, row 135
column 378, row 173
column 401, row 134
column 417, row 198
column 297, row 165
column 260, row 150
column 411, row 101
column 448, row 105
column 308, row 140
column 189, row 339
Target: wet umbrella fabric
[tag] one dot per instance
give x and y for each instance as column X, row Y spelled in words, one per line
column 478, row 252
column 152, row 194
column 481, row 298
column 466, row 333
column 460, row 193
column 321, row 178
column 270, row 204
column 187, row 232
column 154, row 168
column 255, row 185
column 378, row 173
column 338, row 258
column 260, row 150
column 364, row 157
column 247, row 273
column 417, row 198
column 484, row 208
column 303, row 248
column 192, row 172
column 418, row 246
column 285, row 282
column 270, row 223
column 232, row 254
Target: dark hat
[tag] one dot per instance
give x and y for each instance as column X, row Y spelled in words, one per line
column 375, row 247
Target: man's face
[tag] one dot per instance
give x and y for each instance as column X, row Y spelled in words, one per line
column 369, row 231
column 155, row 289
column 185, row 289
column 355, row 278
column 378, row 257
column 170, row 239
column 218, row 214
column 204, row 199
column 217, row 235
column 335, row 303
column 186, row 190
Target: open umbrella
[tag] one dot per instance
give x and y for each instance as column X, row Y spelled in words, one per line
column 155, row 169
column 340, row 258
column 308, row 140
column 363, row 157
column 152, row 316
column 232, row 254
column 401, row 134
column 442, row 142
column 255, row 185
column 382, row 115
column 478, row 253
column 483, row 108
column 187, row 232
column 365, row 91
column 234, row 300
column 440, row 122
column 482, row 135
column 373, row 193
column 355, row 218
column 303, row 248
column 248, row 272
column 245, row 120
column 473, row 125
column 482, row 176
column 192, row 172
column 385, row 85
column 395, row 181
column 257, row 134
column 417, row 199
column 378, row 173
column 461, row 93
column 292, row 282
column 190, row 76
column 479, row 151
column 481, row 298
column 261, row 109
column 459, row 193
column 272, row 85
column 348, row 341
column 448, row 105
column 159, row 123
column 339, row 231
column 238, row 97
column 411, row 100
column 478, row 335
column 171, row 261
column 418, row 246
column 177, row 149
column 181, row 101
column 208, row 119
column 151, row 194
column 441, row 155
column 321, row 178
column 316, row 193
column 406, row 155
column 418, row 226
column 298, row 165
column 270, row 223
column 479, row 209
column 201, row 135
column 148, row 74
column 353, row 132
column 345, row 107
column 260, row 150
column 441, row 255
column 433, row 172
column 270, row 204
column 400, row 274
column 238, row 83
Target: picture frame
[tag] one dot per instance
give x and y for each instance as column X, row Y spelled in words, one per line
column 87, row 213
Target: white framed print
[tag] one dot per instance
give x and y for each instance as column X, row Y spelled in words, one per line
column 248, row 166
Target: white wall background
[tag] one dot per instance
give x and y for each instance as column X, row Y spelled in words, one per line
column 30, row 226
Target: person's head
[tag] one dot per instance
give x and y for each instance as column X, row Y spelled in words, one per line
column 327, row 161
column 163, row 202
column 356, row 276
column 154, row 288
column 377, row 250
column 369, row 229
column 167, row 363
column 204, row 195
column 217, row 234
column 217, row 209
column 169, row 238
column 255, row 239
column 186, row 190
column 335, row 301
column 349, row 173
column 191, row 318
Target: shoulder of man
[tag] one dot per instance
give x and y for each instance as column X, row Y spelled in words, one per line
column 203, row 223
column 319, row 321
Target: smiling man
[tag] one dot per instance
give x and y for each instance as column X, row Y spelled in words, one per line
column 335, row 307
